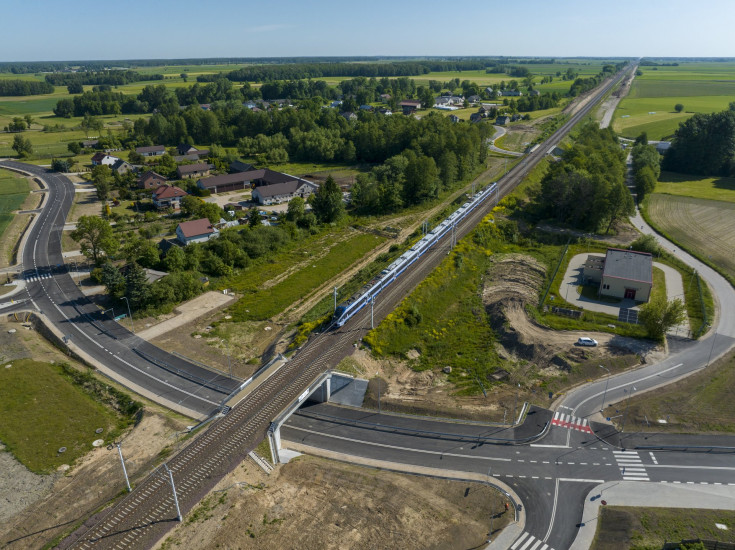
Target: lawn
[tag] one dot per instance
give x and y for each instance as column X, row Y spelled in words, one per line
column 260, row 304
column 13, row 192
column 648, row 528
column 705, row 228
column 41, row 410
column 649, row 107
column 698, row 187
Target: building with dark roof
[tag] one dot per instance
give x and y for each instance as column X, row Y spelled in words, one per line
column 242, row 180
column 151, row 150
column 239, row 166
column 282, row 192
column 151, row 180
column 198, row 170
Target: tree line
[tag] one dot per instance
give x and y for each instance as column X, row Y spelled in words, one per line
column 586, row 189
column 110, row 78
column 646, row 166
column 704, row 144
column 16, row 87
column 582, row 85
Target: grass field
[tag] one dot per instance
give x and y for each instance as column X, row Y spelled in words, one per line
column 699, row 187
column 622, row 527
column 262, row 304
column 649, row 107
column 13, row 192
column 41, row 411
column 701, row 226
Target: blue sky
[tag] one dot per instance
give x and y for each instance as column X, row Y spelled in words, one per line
column 44, row 30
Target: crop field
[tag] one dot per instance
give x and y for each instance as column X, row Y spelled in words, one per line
column 701, row 225
column 699, row 187
column 649, row 107
column 13, row 191
column 42, row 411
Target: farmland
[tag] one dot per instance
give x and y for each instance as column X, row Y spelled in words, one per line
column 13, row 192
column 699, row 187
column 649, row 107
column 701, row 225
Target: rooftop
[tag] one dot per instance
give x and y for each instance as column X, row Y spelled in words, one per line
column 190, row 168
column 194, row 228
column 629, row 264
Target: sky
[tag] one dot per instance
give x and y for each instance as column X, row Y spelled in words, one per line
column 47, row 30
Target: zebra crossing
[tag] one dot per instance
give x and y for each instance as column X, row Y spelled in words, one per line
column 528, row 542
column 571, row 422
column 631, row 466
column 36, row 278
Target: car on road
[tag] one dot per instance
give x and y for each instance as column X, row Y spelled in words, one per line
column 584, row 341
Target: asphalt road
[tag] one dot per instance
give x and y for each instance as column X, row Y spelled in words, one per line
column 159, row 375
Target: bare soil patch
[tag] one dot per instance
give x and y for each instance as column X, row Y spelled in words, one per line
column 313, row 503
column 84, row 204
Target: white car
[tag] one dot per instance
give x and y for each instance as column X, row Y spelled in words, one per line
column 584, row 341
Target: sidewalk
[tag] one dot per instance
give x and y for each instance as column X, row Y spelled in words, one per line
column 655, row 495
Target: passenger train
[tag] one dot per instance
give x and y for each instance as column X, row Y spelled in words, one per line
column 346, row 310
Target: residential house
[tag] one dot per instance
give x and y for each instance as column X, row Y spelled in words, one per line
column 189, row 171
column 502, row 120
column 474, row 99
column 151, row 150
column 239, row 166
column 454, row 118
column 385, row 111
column 121, row 167
column 409, row 106
column 534, row 93
column 516, row 117
column 196, row 231
column 349, row 115
column 476, row 117
column 282, row 192
column 151, row 180
column 336, row 103
column 90, row 143
column 625, row 274
column 103, row 159
column 366, row 107
column 385, row 97
column 168, row 196
column 189, row 150
column 509, row 93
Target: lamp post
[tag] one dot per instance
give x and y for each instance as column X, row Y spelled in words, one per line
column 129, row 314
column 378, row 377
column 602, row 407
column 229, row 362
column 492, row 514
column 625, row 413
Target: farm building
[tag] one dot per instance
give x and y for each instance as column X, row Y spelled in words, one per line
column 151, row 150
column 409, row 106
column 198, row 170
column 243, row 180
column 625, row 274
column 196, row 231
column 283, row 192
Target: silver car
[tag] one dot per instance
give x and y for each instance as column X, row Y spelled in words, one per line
column 584, row 341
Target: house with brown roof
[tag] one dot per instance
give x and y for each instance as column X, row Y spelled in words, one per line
column 168, row 196
column 282, row 192
column 409, row 106
column 198, row 170
column 196, row 231
column 103, row 159
column 151, row 150
column 151, row 180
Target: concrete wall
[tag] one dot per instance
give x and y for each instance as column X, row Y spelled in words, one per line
column 617, row 288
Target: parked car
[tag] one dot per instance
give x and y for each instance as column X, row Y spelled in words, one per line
column 584, row 341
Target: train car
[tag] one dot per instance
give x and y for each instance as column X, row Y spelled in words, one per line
column 347, row 309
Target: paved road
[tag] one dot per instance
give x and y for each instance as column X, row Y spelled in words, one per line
column 500, row 132
column 118, row 353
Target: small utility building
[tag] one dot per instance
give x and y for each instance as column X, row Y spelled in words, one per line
column 625, row 274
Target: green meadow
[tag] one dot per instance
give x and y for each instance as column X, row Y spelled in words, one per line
column 13, row 191
column 649, row 107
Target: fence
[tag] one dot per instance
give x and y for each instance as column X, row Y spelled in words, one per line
column 551, row 281
column 708, row 544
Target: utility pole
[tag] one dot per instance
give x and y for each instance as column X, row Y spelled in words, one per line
column 376, row 374
column 130, row 314
column 515, row 403
column 711, row 349
column 492, row 514
column 125, row 471
column 335, row 298
column 372, row 318
column 625, row 413
column 173, row 488
column 602, row 407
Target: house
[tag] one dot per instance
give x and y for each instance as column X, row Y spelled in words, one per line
column 103, row 159
column 662, row 147
column 336, row 103
column 189, row 150
column 502, row 120
column 168, row 196
column 88, row 144
column 282, row 192
column 121, row 167
column 151, row 180
column 205, row 106
column 242, row 180
column 349, row 115
column 386, row 112
column 366, row 107
column 476, row 117
column 534, row 93
column 474, row 99
column 151, row 150
column 409, row 106
column 625, row 274
column 187, row 158
column 385, row 97
column 454, row 118
column 509, row 93
column 198, row 170
column 516, row 117
column 239, row 166
column 196, row 231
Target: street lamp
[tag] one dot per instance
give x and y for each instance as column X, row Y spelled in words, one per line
column 378, row 377
column 625, row 412
column 492, row 514
column 229, row 363
column 129, row 314
column 602, row 407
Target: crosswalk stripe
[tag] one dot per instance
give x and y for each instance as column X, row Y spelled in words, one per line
column 519, row 541
column 535, row 546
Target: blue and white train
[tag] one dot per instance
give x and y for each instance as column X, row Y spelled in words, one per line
column 349, row 308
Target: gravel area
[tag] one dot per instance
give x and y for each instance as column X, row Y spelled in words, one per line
column 19, row 488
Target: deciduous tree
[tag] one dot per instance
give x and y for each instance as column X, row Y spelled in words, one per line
column 95, row 236
column 659, row 315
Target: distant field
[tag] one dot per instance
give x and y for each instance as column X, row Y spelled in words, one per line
column 13, row 191
column 649, row 107
column 701, row 225
column 716, row 189
column 41, row 411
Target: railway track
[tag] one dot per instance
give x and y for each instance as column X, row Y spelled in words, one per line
column 144, row 516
